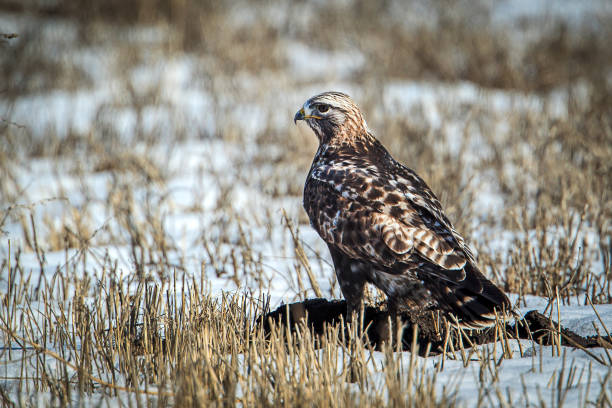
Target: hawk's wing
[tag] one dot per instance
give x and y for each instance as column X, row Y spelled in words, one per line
column 382, row 216
column 428, row 205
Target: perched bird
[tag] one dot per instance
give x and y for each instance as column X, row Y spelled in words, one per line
column 384, row 226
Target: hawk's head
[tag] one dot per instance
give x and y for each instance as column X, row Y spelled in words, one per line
column 330, row 114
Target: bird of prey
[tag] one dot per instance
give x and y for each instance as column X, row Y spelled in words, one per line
column 384, row 226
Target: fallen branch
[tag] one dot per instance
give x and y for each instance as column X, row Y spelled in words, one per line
column 320, row 312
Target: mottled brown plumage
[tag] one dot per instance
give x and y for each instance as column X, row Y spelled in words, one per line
column 383, row 225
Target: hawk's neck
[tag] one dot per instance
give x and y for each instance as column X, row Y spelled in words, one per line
column 348, row 145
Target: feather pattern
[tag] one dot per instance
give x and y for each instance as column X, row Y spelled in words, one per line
column 384, row 225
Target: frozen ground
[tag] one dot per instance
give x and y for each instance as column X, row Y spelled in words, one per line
column 198, row 166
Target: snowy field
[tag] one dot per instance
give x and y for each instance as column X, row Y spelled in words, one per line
column 150, row 198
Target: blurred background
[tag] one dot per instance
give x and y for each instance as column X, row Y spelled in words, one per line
column 159, row 133
column 191, row 65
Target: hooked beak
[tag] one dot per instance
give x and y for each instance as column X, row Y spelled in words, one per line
column 299, row 116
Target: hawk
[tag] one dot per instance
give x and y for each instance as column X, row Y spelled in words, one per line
column 384, row 226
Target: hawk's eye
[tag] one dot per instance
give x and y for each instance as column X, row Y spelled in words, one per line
column 322, row 107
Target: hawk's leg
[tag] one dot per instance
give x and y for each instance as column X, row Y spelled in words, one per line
column 351, row 275
column 387, row 329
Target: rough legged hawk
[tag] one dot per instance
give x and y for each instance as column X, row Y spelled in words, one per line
column 384, row 225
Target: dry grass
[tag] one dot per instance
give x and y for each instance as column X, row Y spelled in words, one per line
column 122, row 339
column 130, row 341
column 92, row 330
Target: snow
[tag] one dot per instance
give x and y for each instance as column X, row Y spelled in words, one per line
column 573, row 12
column 310, row 63
column 519, row 376
column 202, row 170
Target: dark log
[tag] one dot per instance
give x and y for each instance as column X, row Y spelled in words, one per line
column 319, row 313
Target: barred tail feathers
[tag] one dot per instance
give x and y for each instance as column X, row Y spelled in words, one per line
column 474, row 300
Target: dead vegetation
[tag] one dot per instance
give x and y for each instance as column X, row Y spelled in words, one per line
column 89, row 329
column 173, row 344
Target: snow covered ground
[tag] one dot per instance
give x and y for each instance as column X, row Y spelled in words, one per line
column 211, row 163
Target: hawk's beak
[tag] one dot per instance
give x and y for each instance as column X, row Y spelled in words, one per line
column 299, row 115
